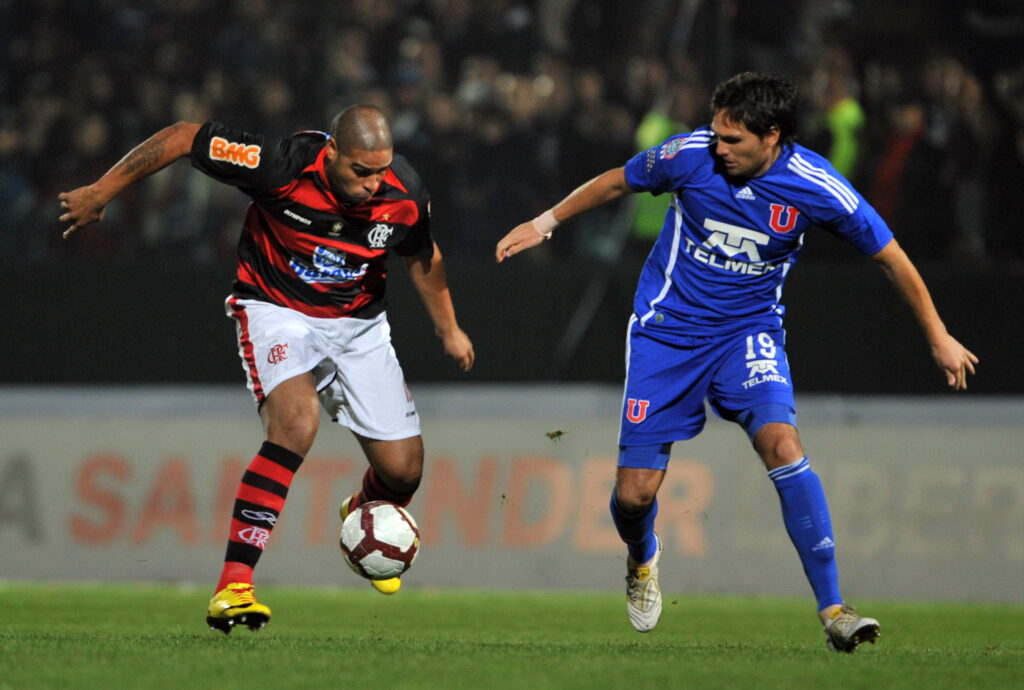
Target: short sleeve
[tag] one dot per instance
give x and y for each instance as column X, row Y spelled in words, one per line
column 419, row 242
column 243, row 159
column 864, row 229
column 668, row 165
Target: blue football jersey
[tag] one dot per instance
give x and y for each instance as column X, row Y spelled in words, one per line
column 727, row 244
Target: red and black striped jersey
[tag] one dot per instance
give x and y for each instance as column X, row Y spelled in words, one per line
column 301, row 247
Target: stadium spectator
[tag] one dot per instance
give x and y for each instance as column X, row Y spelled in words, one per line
column 842, row 117
column 678, row 108
column 961, row 124
column 17, row 196
column 1006, row 180
column 273, row 65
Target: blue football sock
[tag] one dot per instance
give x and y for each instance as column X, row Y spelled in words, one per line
column 805, row 512
column 637, row 530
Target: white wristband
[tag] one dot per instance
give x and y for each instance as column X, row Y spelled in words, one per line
column 545, row 223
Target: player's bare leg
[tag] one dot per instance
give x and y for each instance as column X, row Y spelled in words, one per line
column 291, row 414
column 290, row 417
column 778, row 444
column 399, row 464
column 805, row 513
column 396, row 468
column 633, row 510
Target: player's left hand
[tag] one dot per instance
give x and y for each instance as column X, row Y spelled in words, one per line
column 955, row 360
column 458, row 346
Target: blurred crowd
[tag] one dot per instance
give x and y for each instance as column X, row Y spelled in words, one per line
column 506, row 105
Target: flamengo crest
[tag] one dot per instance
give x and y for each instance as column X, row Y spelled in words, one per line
column 379, row 234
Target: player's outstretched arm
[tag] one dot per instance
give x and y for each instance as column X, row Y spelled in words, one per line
column 955, row 360
column 86, row 205
column 606, row 187
column 431, row 283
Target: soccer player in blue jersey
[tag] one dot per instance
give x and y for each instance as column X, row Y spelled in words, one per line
column 707, row 319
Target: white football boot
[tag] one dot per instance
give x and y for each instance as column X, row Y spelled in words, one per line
column 845, row 630
column 643, row 594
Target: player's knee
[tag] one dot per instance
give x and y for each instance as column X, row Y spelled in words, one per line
column 404, row 480
column 778, row 445
column 295, row 432
column 634, row 500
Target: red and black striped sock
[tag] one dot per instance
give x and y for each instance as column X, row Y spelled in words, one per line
column 258, row 503
column 376, row 490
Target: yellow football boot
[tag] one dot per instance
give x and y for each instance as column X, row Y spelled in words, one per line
column 236, row 604
column 392, row 584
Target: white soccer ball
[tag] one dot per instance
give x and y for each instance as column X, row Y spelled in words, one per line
column 379, row 540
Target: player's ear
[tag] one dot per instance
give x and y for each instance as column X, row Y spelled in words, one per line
column 773, row 136
column 332, row 150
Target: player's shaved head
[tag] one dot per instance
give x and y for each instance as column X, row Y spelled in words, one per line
column 362, row 127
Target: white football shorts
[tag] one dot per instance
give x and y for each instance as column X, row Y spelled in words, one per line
column 357, row 374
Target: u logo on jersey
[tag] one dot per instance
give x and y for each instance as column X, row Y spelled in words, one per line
column 777, row 222
column 636, row 410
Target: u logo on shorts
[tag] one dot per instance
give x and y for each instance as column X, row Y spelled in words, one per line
column 636, row 410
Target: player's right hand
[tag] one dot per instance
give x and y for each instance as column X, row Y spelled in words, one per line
column 521, row 238
column 81, row 206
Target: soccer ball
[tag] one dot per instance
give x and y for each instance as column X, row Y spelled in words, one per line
column 379, row 540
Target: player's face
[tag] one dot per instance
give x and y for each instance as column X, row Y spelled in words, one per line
column 355, row 175
column 741, row 152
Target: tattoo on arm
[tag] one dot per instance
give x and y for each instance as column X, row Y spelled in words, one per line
column 142, row 156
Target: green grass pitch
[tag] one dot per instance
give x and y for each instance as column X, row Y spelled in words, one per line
column 155, row 636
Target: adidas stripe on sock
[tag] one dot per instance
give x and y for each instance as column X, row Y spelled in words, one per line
column 806, row 516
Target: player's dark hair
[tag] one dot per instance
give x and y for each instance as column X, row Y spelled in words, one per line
column 759, row 102
column 363, row 127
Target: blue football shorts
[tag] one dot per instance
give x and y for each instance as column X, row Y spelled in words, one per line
column 744, row 375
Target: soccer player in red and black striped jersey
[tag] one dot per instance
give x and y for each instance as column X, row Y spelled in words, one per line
column 308, row 302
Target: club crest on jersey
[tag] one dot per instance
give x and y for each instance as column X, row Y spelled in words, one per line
column 336, row 229
column 379, row 234
column 783, row 218
column 245, row 155
column 670, row 148
column 636, row 410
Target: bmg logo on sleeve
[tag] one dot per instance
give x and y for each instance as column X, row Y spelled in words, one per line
column 245, row 155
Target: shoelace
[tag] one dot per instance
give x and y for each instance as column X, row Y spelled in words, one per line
column 843, row 621
column 245, row 594
column 638, row 589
